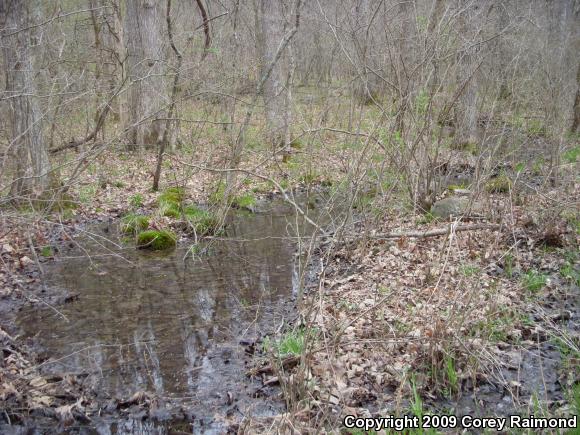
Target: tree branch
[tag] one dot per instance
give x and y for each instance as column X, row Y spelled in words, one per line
column 205, row 25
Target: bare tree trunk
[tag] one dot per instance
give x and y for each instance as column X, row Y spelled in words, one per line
column 575, row 21
column 117, row 39
column 575, row 127
column 274, row 91
column 466, row 110
column 146, row 65
column 432, row 45
column 32, row 172
column 167, row 130
column 267, row 72
column 501, row 48
column 407, row 14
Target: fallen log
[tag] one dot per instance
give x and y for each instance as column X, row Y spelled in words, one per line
column 453, row 228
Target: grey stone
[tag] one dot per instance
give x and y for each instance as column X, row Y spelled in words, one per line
column 452, row 206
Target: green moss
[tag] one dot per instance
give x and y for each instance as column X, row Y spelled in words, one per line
column 247, row 200
column 169, row 202
column 46, row 251
column 500, row 184
column 173, row 194
column 170, row 210
column 134, row 224
column 454, row 187
column 156, row 240
column 296, row 144
column 201, row 220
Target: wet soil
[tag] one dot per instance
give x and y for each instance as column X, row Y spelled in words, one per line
column 162, row 342
column 531, row 371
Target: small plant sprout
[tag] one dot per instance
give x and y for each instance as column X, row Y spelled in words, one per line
column 533, row 281
column 291, row 343
column 136, row 200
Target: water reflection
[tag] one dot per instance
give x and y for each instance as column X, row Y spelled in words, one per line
column 161, row 324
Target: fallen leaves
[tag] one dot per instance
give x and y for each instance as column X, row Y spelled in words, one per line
column 439, row 303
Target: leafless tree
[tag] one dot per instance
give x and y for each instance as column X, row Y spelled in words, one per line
column 32, row 174
column 272, row 24
column 146, row 61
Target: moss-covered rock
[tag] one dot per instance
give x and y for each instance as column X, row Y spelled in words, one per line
column 499, row 184
column 156, row 240
column 134, row 224
column 202, row 221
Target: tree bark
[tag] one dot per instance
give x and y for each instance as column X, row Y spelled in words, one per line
column 148, row 97
column 407, row 15
column 32, row 174
column 575, row 127
column 117, row 43
column 432, row 43
column 174, row 88
column 274, row 92
column 501, row 48
column 466, row 110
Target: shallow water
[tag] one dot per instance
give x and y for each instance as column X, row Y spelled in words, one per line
column 146, row 321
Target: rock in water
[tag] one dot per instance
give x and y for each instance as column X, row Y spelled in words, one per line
column 452, row 206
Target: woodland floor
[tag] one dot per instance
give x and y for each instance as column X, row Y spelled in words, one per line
column 475, row 322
